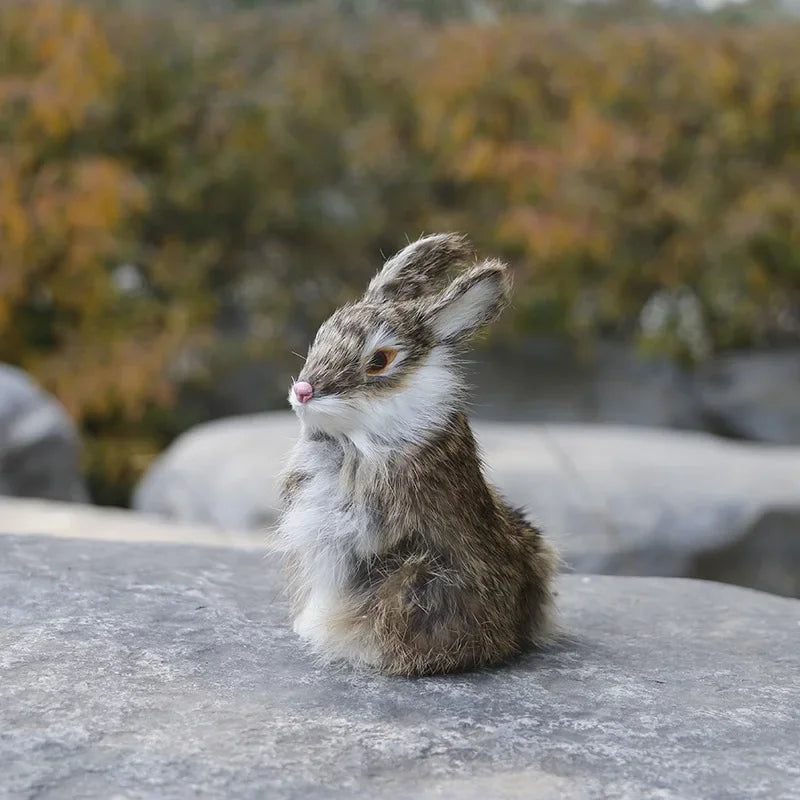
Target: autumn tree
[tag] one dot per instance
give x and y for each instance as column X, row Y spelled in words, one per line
column 182, row 191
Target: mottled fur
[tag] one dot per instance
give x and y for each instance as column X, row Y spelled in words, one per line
column 398, row 553
column 418, row 269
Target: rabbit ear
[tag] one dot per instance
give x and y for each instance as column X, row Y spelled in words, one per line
column 471, row 301
column 418, row 269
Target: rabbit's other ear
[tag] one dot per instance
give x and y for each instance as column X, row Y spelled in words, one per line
column 471, row 301
column 418, row 269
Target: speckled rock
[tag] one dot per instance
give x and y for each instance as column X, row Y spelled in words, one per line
column 169, row 671
column 614, row 499
column 39, row 447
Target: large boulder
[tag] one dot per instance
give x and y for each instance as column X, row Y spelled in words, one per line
column 752, row 395
column 170, row 671
column 614, row 499
column 223, row 473
column 638, row 501
column 39, row 446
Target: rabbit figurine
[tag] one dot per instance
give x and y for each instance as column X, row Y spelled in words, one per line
column 399, row 555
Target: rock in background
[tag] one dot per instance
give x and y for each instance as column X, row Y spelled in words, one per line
column 224, row 473
column 766, row 555
column 23, row 515
column 554, row 383
column 39, row 446
column 615, row 499
column 752, row 395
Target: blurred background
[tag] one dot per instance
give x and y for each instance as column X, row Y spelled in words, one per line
column 187, row 189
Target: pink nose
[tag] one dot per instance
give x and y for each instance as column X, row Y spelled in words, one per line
column 303, row 391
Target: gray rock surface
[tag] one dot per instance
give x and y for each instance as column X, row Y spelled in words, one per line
column 39, row 447
column 169, row 671
column 84, row 521
column 753, row 395
column 638, row 501
column 223, row 473
column 614, row 499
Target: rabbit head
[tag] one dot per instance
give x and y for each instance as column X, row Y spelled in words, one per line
column 384, row 371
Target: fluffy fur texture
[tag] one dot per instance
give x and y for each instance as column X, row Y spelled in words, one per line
column 398, row 553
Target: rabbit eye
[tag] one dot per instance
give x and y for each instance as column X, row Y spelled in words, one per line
column 379, row 360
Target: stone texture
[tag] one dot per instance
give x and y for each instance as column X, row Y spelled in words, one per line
column 169, row 671
column 614, row 499
column 753, row 395
column 39, row 448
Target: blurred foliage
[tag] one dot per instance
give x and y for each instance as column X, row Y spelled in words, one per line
column 170, row 180
column 739, row 11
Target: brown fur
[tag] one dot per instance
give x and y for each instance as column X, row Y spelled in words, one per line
column 453, row 577
column 466, row 581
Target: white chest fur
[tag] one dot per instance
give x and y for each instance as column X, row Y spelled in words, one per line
column 326, row 524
